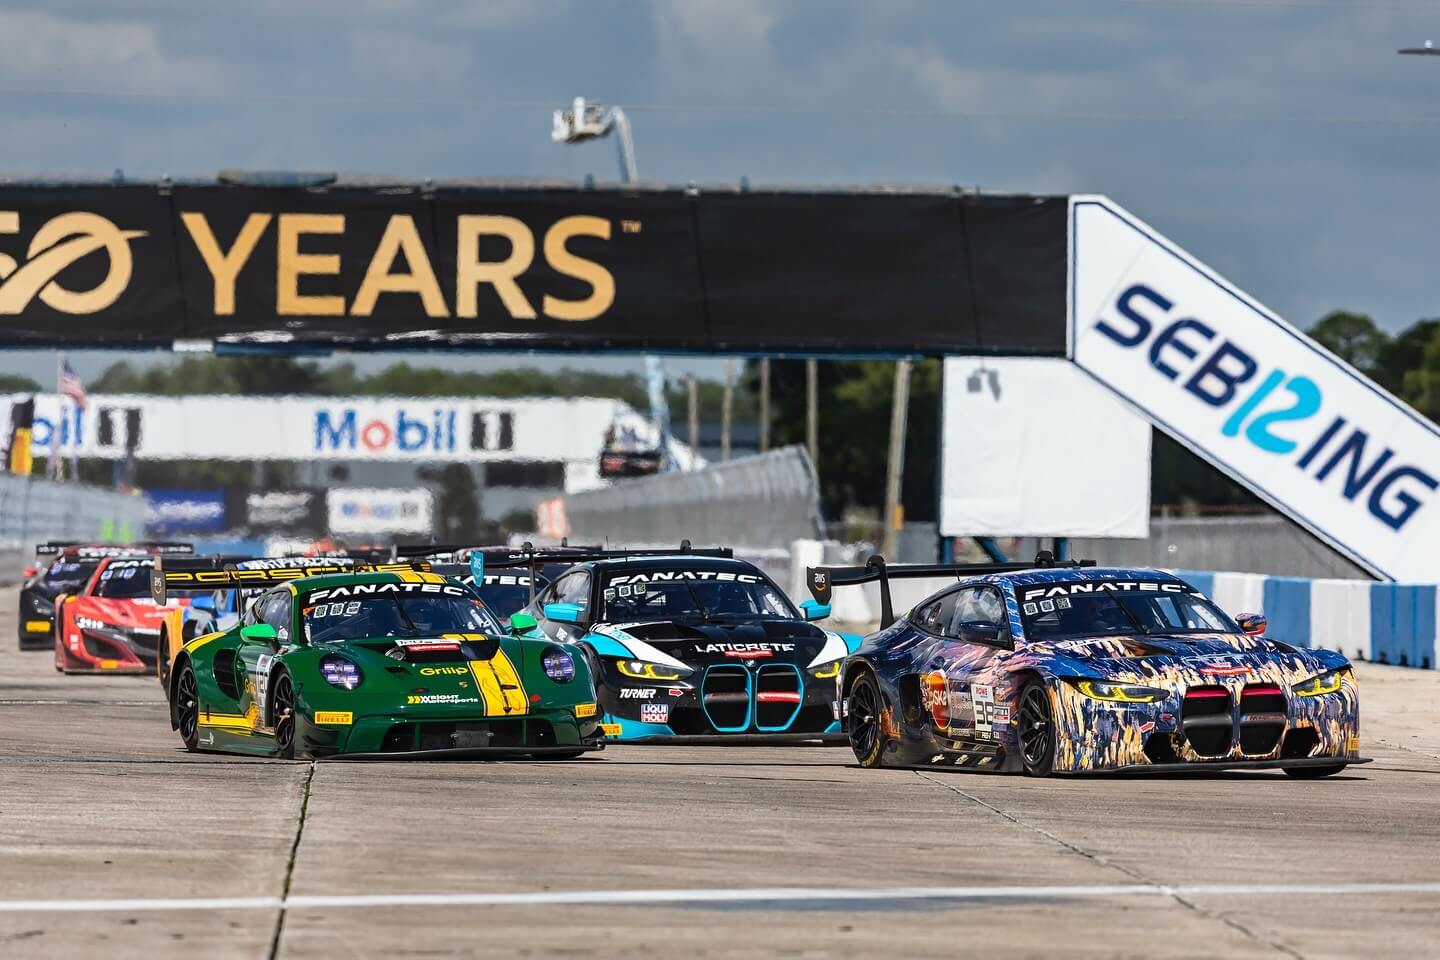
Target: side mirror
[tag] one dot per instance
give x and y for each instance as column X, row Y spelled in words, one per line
column 815, row 611
column 560, row 612
column 979, row 631
column 260, row 633
column 521, row 623
column 1252, row 623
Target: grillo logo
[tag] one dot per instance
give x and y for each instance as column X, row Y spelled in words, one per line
column 61, row 242
column 1277, row 413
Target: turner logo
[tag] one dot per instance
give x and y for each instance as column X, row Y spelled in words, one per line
column 61, row 242
column 1273, row 410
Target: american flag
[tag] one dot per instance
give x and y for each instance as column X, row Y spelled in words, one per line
column 70, row 384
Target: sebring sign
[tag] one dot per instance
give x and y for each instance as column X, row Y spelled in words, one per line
column 1253, row 395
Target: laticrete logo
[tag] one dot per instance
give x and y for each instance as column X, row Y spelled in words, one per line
column 59, row 243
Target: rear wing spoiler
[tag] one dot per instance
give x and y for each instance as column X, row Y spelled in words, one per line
column 480, row 559
column 224, row 573
column 823, row 580
column 89, row 550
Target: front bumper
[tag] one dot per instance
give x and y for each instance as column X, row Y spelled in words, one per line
column 334, row 733
column 36, row 633
column 735, row 702
column 1208, row 766
column 87, row 651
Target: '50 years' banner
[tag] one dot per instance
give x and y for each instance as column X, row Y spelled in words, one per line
column 524, row 267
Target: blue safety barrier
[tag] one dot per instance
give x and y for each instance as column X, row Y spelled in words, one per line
column 1393, row 623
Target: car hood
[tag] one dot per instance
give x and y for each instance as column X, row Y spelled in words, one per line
column 692, row 642
column 1191, row 659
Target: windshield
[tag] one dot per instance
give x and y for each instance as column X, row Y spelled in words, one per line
column 64, row 576
column 505, row 593
column 125, row 579
column 704, row 594
column 333, row 617
column 1109, row 607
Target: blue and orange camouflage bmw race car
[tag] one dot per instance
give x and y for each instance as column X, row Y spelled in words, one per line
column 1070, row 668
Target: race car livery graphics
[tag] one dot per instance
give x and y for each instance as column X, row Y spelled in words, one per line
column 111, row 625
column 696, row 647
column 1075, row 669
column 380, row 663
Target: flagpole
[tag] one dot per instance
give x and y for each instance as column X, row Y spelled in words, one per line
column 55, row 467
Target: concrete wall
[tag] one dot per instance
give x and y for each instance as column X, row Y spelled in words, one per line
column 754, row 503
column 33, row 509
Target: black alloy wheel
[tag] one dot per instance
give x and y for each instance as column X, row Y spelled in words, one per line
column 283, row 705
column 187, row 708
column 1037, row 730
column 864, row 705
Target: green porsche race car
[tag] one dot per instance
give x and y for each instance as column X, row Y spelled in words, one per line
column 389, row 662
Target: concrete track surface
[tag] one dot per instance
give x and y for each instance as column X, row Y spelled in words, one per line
column 99, row 803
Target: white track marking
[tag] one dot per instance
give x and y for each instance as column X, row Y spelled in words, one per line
column 740, row 895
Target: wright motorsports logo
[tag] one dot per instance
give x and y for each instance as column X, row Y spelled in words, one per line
column 61, row 242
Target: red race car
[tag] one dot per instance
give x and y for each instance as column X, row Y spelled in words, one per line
column 110, row 625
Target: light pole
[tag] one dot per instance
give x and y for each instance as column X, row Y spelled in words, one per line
column 591, row 121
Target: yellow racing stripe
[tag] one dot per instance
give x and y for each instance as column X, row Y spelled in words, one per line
column 500, row 686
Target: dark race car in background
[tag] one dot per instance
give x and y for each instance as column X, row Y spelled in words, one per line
column 696, row 644
column 64, row 568
column 1068, row 668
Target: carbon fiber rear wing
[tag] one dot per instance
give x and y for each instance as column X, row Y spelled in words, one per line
column 224, row 573
column 823, row 580
column 529, row 555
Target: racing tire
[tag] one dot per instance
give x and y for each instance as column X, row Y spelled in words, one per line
column 187, row 709
column 865, row 729
column 1314, row 773
column 282, row 706
column 164, row 660
column 1036, row 729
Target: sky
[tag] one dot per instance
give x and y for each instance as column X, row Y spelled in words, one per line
column 1281, row 141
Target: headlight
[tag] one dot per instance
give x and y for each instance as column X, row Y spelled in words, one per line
column 1120, row 692
column 339, row 672
column 1324, row 683
column 826, row 670
column 559, row 665
column 641, row 670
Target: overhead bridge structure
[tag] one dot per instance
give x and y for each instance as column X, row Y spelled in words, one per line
column 866, row 272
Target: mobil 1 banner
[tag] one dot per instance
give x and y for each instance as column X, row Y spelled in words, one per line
column 1253, row 395
column 285, row 511
column 92, row 264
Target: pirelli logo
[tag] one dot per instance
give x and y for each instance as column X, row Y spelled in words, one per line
column 333, row 718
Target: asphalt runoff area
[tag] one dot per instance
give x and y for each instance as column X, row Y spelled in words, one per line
column 115, row 842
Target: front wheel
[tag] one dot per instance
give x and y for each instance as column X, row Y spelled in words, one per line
column 187, row 709
column 1037, row 730
column 1314, row 773
column 283, row 707
column 864, row 705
